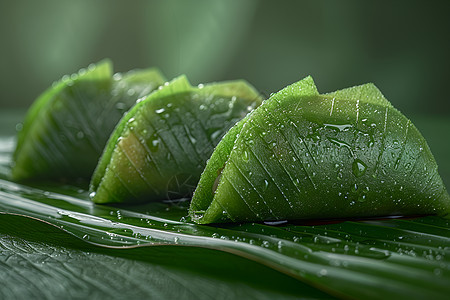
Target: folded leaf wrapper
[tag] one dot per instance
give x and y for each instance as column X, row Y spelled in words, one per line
column 159, row 149
column 302, row 155
column 67, row 127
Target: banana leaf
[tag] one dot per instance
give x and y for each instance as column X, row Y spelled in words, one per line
column 302, row 155
column 353, row 259
column 42, row 262
column 159, row 149
column 67, row 127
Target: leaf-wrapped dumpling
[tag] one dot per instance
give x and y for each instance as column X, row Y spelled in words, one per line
column 67, row 127
column 302, row 155
column 159, row 149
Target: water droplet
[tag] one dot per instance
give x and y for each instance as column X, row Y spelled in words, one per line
column 82, row 71
column 120, row 106
column 80, row 135
column 160, row 111
column 280, row 245
column 362, row 197
column 342, row 127
column 117, row 76
column 341, row 144
column 322, row 272
column 92, row 194
column 437, row 272
column 154, row 143
column 266, row 184
column 216, row 133
column 359, row 168
column 315, row 137
column 132, row 123
column 144, row 132
column 19, row 127
column 246, row 156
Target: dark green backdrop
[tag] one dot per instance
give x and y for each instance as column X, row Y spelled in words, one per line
column 401, row 46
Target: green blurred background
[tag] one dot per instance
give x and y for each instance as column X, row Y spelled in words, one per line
column 401, row 46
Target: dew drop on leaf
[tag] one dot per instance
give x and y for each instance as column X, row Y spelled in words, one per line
column 132, row 123
column 155, row 144
column 245, row 156
column 216, row 133
column 437, row 272
column 121, row 106
column 358, row 168
column 19, row 127
column 362, row 197
column 266, row 184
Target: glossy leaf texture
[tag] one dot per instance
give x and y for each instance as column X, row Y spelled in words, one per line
column 371, row 259
column 42, row 262
column 159, row 149
column 67, row 127
column 302, row 155
column 354, row 259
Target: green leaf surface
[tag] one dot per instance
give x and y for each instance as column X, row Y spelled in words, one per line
column 42, row 262
column 159, row 149
column 302, row 155
column 67, row 127
column 355, row 259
